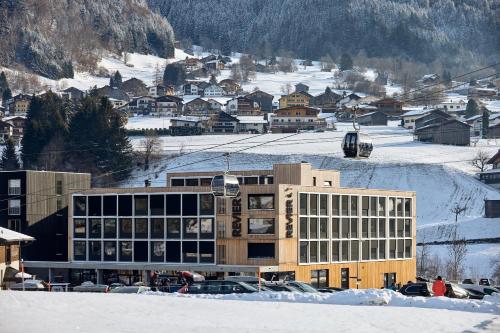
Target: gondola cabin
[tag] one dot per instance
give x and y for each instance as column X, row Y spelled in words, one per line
column 226, row 186
column 356, row 144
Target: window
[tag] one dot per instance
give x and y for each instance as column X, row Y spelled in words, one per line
column 173, row 251
column 59, row 187
column 354, row 205
column 251, row 180
column 157, row 251
column 206, row 228
column 335, row 251
column 323, row 228
column 140, row 251
column 392, row 228
column 141, row 205
column 323, row 251
column 192, row 182
column 94, row 205
column 381, row 228
column 79, row 206
column 392, row 206
column 14, row 224
column 354, row 251
column 364, row 227
column 177, row 181
column 400, row 248
column 408, row 248
column 125, row 228
column 335, row 228
column 14, row 187
column 260, row 201
column 95, row 228
column 303, row 204
column 190, row 227
column 407, row 207
column 345, row 228
column 392, row 249
column 80, row 250
column 125, row 205
column 381, row 249
column 381, row 206
column 15, row 207
column 323, row 204
column 173, row 228
column 190, row 251
column 400, row 228
column 335, row 205
column 407, row 228
column 260, row 250
column 354, row 228
column 205, row 181
column 141, row 228
column 313, row 204
column 373, row 228
column 206, row 204
column 304, row 252
column 399, row 205
column 207, row 254
column 189, row 204
column 365, row 250
column 319, row 278
column 345, row 250
column 173, row 204
column 365, row 204
column 313, row 251
column 79, row 228
column 345, row 205
column 157, row 228
column 157, row 205
column 303, row 228
column 109, row 251
column 261, row 226
column 8, row 254
column 95, row 250
column 313, row 228
column 374, row 250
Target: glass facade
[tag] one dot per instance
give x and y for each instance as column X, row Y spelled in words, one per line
column 343, row 228
column 160, row 228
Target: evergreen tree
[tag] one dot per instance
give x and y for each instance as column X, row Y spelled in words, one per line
column 7, row 94
column 472, row 108
column 9, row 159
column 213, row 79
column 472, row 82
column 486, row 122
column 67, row 70
column 446, row 77
column 46, row 117
column 345, row 62
column 116, row 80
column 97, row 124
column 174, row 74
column 4, row 85
column 328, row 91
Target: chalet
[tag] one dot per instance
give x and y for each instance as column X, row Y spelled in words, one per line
column 389, row 106
column 349, row 100
column 192, row 64
column 134, row 87
column 143, row 105
column 214, row 104
column 197, row 107
column 300, row 87
column 117, row 103
column 190, row 88
column 202, row 86
column 18, row 105
column 230, row 86
column 475, row 92
column 6, row 131
column 186, row 126
column 214, row 65
column 113, row 92
column 264, row 100
column 157, row 90
column 494, row 131
column 168, row 106
column 222, row 123
column 294, row 118
column 252, row 124
column 73, row 94
column 428, row 79
column 445, row 132
column 295, row 99
column 18, row 123
column 213, row 90
column 492, row 176
column 243, row 106
column 409, row 117
column 10, row 244
column 326, row 101
column 495, row 119
column 453, row 105
column 376, row 118
column 476, row 123
column 431, row 118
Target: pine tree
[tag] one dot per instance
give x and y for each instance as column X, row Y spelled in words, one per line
column 67, row 69
column 446, row 77
column 4, row 85
column 486, row 122
column 116, row 80
column 472, row 108
column 174, row 74
column 213, row 79
column 7, row 94
column 346, row 62
column 9, row 159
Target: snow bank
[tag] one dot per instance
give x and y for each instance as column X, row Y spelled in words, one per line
column 375, row 297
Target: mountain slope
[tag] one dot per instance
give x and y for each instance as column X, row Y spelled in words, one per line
column 417, row 29
column 49, row 36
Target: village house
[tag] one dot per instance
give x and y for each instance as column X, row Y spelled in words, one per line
column 446, row 132
column 294, row 118
column 6, row 131
column 230, row 86
column 492, row 176
column 10, row 255
column 18, row 123
column 389, row 106
column 117, row 103
column 222, row 123
column 72, row 94
column 453, row 105
column 476, row 123
column 326, row 101
column 409, row 117
column 214, row 65
column 18, row 105
column 428, row 79
column 432, row 117
column 157, row 90
column 300, row 87
column 243, row 106
column 143, row 105
column 376, row 118
column 186, row 126
column 214, row 104
column 113, row 92
column 295, row 99
column 190, row 88
column 252, row 124
column 264, row 100
column 197, row 107
column 134, row 87
column 192, row 64
column 168, row 106
column 213, row 90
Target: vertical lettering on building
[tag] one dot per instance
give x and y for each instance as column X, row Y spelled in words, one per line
column 236, row 217
column 289, row 215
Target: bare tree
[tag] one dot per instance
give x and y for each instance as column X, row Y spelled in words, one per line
column 286, row 65
column 150, row 147
column 480, row 160
column 286, row 88
column 423, row 257
column 457, row 249
column 126, row 57
column 434, row 266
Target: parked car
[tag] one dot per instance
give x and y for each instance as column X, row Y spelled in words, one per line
column 130, row 290
column 330, row 290
column 455, row 291
column 220, row 287
column 468, row 281
column 91, row 287
column 475, row 294
column 247, row 279
column 30, row 285
column 486, row 282
column 281, row 287
column 484, row 289
column 115, row 285
column 302, row 286
column 417, row 289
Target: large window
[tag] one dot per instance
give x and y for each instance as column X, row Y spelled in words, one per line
column 125, row 228
column 109, row 205
column 110, row 251
column 79, row 206
column 125, row 205
column 260, row 250
column 15, row 207
column 141, row 228
column 173, row 228
column 157, row 228
column 95, row 228
column 141, row 205
column 109, row 228
column 80, row 228
column 190, row 228
column 80, row 250
column 157, row 205
column 189, row 204
column 95, row 205
column 260, row 201
column 206, row 204
column 319, row 278
column 206, row 228
column 14, row 187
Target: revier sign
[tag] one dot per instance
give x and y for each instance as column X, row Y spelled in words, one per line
column 236, row 216
column 288, row 215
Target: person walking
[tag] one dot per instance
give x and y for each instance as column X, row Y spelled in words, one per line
column 438, row 287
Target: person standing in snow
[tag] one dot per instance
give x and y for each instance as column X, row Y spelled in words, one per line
column 438, row 287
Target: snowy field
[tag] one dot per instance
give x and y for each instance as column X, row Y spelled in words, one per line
column 359, row 311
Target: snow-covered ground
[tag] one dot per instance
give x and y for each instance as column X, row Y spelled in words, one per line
column 369, row 311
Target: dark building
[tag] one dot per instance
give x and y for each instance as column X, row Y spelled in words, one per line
column 35, row 203
column 73, row 94
column 264, row 99
column 223, row 123
column 431, row 118
column 491, row 208
column 134, row 87
column 390, row 106
column 492, row 176
column 113, row 92
column 493, row 131
column 300, row 87
column 447, row 132
column 373, row 119
column 327, row 101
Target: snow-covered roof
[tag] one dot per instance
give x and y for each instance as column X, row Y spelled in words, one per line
column 251, row 119
column 13, row 236
column 473, row 117
column 492, row 106
column 494, row 116
column 415, row 113
column 367, row 107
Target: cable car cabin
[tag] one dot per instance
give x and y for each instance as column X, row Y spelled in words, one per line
column 356, row 144
column 225, row 186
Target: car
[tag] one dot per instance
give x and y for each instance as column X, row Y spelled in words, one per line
column 486, row 282
column 484, row 289
column 302, row 286
column 115, row 285
column 475, row 294
column 30, row 285
column 130, row 290
column 417, row 289
column 455, row 291
column 280, row 286
column 91, row 287
column 248, row 279
column 220, row 287
column 468, row 281
column 330, row 290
